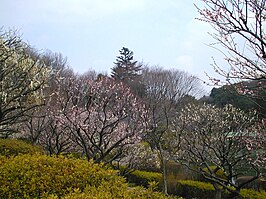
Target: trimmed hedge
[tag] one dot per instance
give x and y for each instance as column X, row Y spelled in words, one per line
column 34, row 176
column 252, row 194
column 105, row 192
column 196, row 189
column 12, row 147
column 143, row 178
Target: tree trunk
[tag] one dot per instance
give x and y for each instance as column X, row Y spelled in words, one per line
column 218, row 193
column 163, row 167
column 164, row 177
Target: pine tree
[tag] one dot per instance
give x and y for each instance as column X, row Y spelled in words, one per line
column 126, row 69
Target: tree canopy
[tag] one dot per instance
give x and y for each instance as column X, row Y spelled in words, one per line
column 22, row 81
column 126, row 69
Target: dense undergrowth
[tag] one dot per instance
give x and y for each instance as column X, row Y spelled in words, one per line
column 12, row 147
column 26, row 172
column 196, row 189
column 36, row 175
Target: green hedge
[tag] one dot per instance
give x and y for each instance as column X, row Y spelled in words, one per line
column 252, row 194
column 41, row 176
column 196, row 189
column 122, row 192
column 33, row 176
column 12, row 147
column 143, row 178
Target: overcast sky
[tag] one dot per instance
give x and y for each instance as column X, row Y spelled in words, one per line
column 91, row 32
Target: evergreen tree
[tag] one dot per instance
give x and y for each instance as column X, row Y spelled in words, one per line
column 126, row 69
column 245, row 95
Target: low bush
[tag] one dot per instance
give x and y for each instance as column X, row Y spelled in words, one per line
column 252, row 194
column 195, row 189
column 143, row 178
column 34, row 176
column 12, row 147
column 123, row 192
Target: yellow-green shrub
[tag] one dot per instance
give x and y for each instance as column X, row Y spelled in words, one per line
column 192, row 189
column 195, row 189
column 252, row 194
column 122, row 192
column 12, row 147
column 142, row 178
column 30, row 176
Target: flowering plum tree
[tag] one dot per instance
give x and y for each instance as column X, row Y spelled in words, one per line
column 221, row 140
column 139, row 156
column 22, row 80
column 43, row 129
column 240, row 35
column 105, row 119
column 240, row 30
column 41, row 126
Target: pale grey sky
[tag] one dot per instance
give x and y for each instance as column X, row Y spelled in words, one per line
column 91, row 32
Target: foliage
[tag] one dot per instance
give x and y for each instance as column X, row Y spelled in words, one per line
column 229, row 94
column 106, row 192
column 143, row 178
column 30, row 176
column 12, row 147
column 252, row 194
column 197, row 189
column 22, row 81
column 126, row 69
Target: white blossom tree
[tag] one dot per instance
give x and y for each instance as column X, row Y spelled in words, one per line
column 41, row 127
column 221, row 140
column 22, row 81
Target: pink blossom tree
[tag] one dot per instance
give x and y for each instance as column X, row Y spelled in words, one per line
column 240, row 34
column 42, row 127
column 104, row 119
